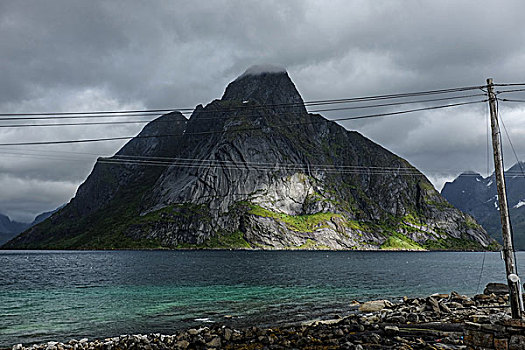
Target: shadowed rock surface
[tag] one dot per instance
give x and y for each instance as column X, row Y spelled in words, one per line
column 255, row 170
column 477, row 196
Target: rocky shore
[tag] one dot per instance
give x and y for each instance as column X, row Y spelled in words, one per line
column 434, row 322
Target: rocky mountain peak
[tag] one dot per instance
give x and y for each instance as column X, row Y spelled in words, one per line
column 248, row 173
column 266, row 85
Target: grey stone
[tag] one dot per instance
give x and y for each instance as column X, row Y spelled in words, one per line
column 496, row 288
column 391, row 330
column 227, row 334
column 182, row 344
column 373, row 306
column 214, row 343
column 433, row 305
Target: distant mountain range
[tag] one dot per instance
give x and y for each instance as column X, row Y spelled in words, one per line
column 477, row 196
column 255, row 170
column 10, row 229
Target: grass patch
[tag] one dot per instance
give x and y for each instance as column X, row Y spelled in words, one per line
column 233, row 240
column 299, row 223
column 471, row 223
column 410, row 218
column 397, row 241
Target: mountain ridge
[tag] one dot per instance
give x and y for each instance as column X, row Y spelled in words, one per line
column 256, row 170
column 477, row 196
column 10, row 229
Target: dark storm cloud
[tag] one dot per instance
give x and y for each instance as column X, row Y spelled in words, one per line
column 99, row 55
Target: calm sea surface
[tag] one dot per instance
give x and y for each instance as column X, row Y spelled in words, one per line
column 49, row 295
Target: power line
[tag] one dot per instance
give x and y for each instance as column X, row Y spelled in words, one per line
column 510, row 100
column 215, row 162
column 15, row 151
column 377, row 115
column 216, row 118
column 307, row 103
column 253, row 166
column 398, row 103
column 510, row 84
column 243, row 108
column 192, row 161
column 507, row 91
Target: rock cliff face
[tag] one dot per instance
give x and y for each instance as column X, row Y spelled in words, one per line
column 477, row 196
column 255, row 170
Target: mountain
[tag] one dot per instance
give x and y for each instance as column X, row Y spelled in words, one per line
column 10, row 229
column 255, row 170
column 41, row 217
column 477, row 196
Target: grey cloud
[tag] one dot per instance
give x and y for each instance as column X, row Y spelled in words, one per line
column 23, row 199
column 62, row 55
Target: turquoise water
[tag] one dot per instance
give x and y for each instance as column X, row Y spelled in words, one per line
column 48, row 295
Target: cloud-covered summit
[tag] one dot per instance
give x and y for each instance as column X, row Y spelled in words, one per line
column 259, row 69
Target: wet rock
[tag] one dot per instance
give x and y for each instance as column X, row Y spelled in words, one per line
column 454, row 296
column 391, row 330
column 433, row 305
column 397, row 319
column 445, row 308
column 454, row 305
column 182, row 344
column 468, row 303
column 484, row 297
column 440, row 296
column 374, row 338
column 375, row 305
column 413, row 318
column 228, row 334
column 214, row 343
column 193, row 331
column 496, row 288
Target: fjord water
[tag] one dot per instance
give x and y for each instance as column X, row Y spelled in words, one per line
column 59, row 295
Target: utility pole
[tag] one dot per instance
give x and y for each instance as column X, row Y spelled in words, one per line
column 513, row 280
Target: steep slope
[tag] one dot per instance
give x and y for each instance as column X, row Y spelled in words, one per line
column 111, row 194
column 41, row 217
column 477, row 196
column 255, row 170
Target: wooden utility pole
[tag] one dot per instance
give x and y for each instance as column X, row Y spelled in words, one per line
column 516, row 303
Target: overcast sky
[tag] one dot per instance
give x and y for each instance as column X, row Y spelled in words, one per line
column 111, row 55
